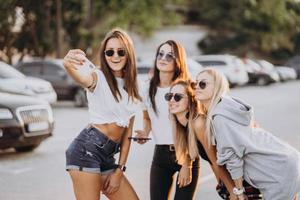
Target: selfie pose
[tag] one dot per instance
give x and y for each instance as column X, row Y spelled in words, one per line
column 170, row 64
column 249, row 153
column 112, row 94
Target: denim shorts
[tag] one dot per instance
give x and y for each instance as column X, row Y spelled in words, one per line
column 92, row 151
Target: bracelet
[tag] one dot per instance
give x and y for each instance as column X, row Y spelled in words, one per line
column 122, row 167
column 92, row 84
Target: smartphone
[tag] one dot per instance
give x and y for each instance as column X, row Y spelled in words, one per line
column 138, row 138
column 86, row 68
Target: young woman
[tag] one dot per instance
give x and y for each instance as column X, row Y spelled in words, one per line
column 249, row 153
column 188, row 128
column 112, row 95
column 170, row 64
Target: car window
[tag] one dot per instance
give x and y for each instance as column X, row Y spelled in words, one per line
column 52, row 70
column 7, row 71
column 143, row 70
column 211, row 62
column 31, row 69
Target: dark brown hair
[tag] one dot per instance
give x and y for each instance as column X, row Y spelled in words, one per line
column 180, row 69
column 129, row 70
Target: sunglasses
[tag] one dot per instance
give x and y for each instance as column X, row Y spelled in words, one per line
column 120, row 52
column 177, row 96
column 202, row 85
column 168, row 56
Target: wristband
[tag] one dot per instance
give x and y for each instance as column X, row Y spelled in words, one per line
column 122, row 167
column 237, row 191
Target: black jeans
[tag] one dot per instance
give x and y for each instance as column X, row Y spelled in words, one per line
column 163, row 167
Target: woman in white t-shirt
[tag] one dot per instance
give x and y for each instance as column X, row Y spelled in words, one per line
column 170, row 64
column 112, row 99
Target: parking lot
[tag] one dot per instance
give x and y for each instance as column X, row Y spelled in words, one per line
column 41, row 175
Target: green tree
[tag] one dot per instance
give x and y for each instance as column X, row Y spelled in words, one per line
column 84, row 23
column 261, row 26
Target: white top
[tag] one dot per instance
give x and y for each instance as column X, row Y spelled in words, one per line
column 160, row 122
column 104, row 109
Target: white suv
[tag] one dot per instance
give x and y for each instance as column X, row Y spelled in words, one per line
column 13, row 81
column 231, row 66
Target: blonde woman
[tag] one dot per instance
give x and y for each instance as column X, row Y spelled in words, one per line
column 112, row 94
column 249, row 153
column 189, row 132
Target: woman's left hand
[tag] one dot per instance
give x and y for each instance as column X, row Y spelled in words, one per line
column 184, row 176
column 113, row 182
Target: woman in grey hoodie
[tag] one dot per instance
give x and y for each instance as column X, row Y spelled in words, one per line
column 249, row 153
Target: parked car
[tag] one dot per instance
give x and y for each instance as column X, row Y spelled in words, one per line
column 256, row 74
column 53, row 71
column 13, row 81
column 231, row 66
column 286, row 73
column 269, row 68
column 145, row 68
column 294, row 63
column 24, row 121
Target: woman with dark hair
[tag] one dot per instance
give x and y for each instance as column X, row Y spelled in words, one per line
column 170, row 64
column 112, row 94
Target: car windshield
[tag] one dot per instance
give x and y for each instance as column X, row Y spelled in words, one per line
column 7, row 71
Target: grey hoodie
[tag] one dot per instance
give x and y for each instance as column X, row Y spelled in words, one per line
column 263, row 160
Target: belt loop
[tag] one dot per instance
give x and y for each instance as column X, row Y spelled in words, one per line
column 171, row 147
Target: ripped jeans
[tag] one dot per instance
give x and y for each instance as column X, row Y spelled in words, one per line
column 92, row 151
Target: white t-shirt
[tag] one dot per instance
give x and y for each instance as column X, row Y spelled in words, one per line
column 104, row 109
column 160, row 122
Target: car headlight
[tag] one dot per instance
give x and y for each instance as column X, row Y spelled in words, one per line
column 5, row 113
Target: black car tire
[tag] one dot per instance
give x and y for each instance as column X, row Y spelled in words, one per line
column 80, row 99
column 26, row 148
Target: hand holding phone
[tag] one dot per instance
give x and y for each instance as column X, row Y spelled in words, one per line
column 87, row 67
column 139, row 138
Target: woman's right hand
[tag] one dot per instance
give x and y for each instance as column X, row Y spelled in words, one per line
column 74, row 57
column 141, row 134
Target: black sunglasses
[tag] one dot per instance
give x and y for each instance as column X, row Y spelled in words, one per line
column 177, row 96
column 168, row 56
column 202, row 85
column 110, row 52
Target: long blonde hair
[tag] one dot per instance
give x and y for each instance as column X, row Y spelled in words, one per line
column 221, row 87
column 185, row 141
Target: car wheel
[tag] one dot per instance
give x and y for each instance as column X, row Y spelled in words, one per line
column 80, row 99
column 262, row 81
column 26, row 148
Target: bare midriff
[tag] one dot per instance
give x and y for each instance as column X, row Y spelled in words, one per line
column 112, row 131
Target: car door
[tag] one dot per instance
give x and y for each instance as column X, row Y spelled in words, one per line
column 58, row 78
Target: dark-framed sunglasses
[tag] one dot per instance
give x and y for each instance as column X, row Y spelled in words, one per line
column 111, row 52
column 168, row 56
column 202, row 84
column 177, row 96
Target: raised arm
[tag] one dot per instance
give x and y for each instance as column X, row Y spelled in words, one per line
column 72, row 61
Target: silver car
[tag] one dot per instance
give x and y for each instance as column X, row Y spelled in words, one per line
column 13, row 81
